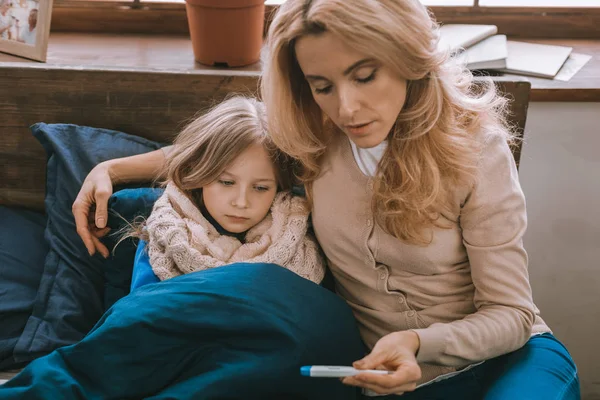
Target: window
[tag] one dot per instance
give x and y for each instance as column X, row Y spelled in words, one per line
column 447, row 3
column 520, row 18
column 513, row 3
column 433, row 3
column 539, row 3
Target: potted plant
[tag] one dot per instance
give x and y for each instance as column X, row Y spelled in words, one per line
column 226, row 32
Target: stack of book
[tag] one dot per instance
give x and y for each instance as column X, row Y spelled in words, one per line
column 480, row 47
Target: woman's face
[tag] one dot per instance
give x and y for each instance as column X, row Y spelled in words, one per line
column 359, row 94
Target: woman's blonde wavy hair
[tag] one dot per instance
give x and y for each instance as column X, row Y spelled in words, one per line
column 434, row 145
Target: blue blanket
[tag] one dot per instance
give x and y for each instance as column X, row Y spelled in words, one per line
column 237, row 332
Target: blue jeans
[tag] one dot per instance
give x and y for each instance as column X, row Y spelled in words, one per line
column 542, row 369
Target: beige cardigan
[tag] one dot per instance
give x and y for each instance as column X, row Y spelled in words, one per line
column 466, row 295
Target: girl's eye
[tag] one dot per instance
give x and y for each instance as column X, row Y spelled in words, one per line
column 262, row 188
column 368, row 78
column 324, row 90
column 226, row 183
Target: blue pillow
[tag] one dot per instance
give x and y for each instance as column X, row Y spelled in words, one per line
column 125, row 206
column 70, row 298
column 22, row 254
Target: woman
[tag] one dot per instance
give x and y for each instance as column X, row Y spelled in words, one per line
column 416, row 201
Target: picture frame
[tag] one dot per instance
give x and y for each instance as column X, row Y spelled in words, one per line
column 25, row 28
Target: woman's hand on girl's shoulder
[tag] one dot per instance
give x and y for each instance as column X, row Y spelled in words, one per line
column 394, row 352
column 90, row 209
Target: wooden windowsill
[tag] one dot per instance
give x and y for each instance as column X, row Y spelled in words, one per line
column 173, row 54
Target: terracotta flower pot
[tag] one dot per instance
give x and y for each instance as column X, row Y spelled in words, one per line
column 226, row 32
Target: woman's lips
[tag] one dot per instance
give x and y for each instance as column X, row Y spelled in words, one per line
column 359, row 129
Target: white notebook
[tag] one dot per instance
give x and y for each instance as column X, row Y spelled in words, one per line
column 490, row 53
column 454, row 37
column 540, row 60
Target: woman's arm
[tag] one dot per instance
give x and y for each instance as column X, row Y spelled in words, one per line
column 139, row 168
column 493, row 220
column 98, row 187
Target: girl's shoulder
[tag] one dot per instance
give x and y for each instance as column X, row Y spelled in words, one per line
column 295, row 196
column 298, row 190
column 288, row 202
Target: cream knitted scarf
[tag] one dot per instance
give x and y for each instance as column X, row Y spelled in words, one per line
column 181, row 240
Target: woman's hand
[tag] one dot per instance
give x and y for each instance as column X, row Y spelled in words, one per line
column 90, row 209
column 394, row 352
column 91, row 205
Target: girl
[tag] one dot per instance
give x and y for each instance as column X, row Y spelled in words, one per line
column 227, row 200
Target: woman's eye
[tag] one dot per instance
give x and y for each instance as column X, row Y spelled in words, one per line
column 262, row 188
column 368, row 78
column 226, row 183
column 324, row 90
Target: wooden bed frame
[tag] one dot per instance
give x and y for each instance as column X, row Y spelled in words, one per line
column 151, row 104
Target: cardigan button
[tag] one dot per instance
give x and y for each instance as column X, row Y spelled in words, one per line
column 411, row 313
column 369, row 222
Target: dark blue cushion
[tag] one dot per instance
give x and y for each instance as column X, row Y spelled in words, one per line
column 70, row 298
column 125, row 207
column 22, row 254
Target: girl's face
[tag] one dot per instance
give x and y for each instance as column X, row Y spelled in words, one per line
column 359, row 94
column 242, row 196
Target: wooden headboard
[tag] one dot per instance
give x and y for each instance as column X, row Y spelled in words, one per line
column 152, row 104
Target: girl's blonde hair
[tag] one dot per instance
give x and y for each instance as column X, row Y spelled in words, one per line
column 212, row 141
column 434, row 144
column 209, row 144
